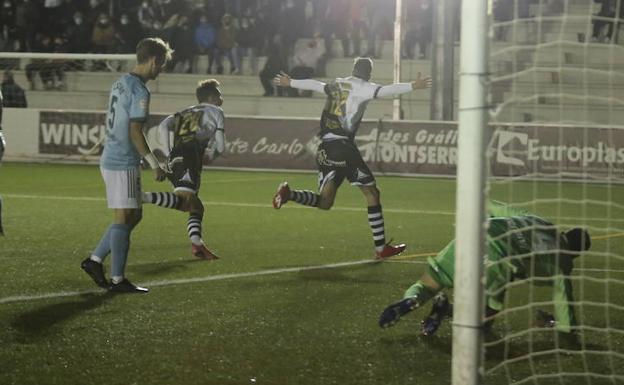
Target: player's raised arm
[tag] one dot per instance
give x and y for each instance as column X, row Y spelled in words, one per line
column 402, row 88
column 283, row 80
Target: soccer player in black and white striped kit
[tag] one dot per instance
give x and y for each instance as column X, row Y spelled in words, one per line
column 337, row 156
column 197, row 130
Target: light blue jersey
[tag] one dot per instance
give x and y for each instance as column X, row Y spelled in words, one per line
column 129, row 102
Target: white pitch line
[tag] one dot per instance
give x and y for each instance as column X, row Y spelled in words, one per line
column 220, row 277
column 231, row 204
column 168, row 282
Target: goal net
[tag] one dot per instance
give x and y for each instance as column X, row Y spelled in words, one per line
column 557, row 150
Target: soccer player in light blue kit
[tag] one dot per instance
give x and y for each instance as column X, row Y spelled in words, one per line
column 120, row 163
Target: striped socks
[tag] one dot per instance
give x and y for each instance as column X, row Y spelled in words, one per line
column 194, row 228
column 163, row 199
column 376, row 222
column 304, row 197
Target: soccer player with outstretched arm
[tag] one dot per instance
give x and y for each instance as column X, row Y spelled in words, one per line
column 125, row 145
column 337, row 156
column 520, row 246
column 197, row 130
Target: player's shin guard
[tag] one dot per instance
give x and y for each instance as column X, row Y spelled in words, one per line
column 120, row 244
column 376, row 222
column 194, row 228
column 163, row 199
column 304, row 197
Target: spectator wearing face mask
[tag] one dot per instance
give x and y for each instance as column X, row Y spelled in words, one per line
column 75, row 35
column 66, row 13
column 206, row 40
column 104, row 35
column 128, row 33
column 94, row 10
column 146, row 15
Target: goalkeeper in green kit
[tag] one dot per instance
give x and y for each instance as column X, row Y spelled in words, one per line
column 520, row 246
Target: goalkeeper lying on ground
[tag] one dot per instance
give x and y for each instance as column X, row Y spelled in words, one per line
column 520, row 246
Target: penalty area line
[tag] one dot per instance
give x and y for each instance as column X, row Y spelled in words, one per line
column 170, row 282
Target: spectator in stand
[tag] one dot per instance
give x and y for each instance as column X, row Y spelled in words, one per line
column 128, row 33
column 104, row 37
column 306, row 60
column 7, row 25
column 206, row 40
column 94, row 10
column 14, row 95
column 75, row 35
column 334, row 25
column 291, row 27
column 226, row 45
column 51, row 72
column 357, row 25
column 184, row 52
column 503, row 11
column 607, row 9
column 269, row 21
column 419, row 25
column 26, row 21
column 52, row 16
column 146, row 15
column 262, row 30
column 381, row 15
column 277, row 61
column 246, row 43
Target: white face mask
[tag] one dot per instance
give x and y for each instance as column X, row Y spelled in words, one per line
column 125, row 21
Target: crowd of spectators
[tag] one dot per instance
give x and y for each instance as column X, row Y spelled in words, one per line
column 605, row 23
column 220, row 29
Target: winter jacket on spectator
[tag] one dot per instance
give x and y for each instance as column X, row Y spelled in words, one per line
column 104, row 35
column 129, row 33
column 226, row 37
column 14, row 95
column 205, row 35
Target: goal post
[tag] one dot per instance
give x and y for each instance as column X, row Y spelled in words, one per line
column 470, row 193
column 553, row 74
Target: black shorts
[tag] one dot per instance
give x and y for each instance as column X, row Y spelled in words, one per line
column 185, row 162
column 340, row 159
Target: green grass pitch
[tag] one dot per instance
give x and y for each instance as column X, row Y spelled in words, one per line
column 275, row 309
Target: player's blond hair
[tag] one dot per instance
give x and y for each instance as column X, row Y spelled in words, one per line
column 153, row 47
column 206, row 88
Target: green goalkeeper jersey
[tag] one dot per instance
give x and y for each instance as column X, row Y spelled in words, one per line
column 520, row 246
